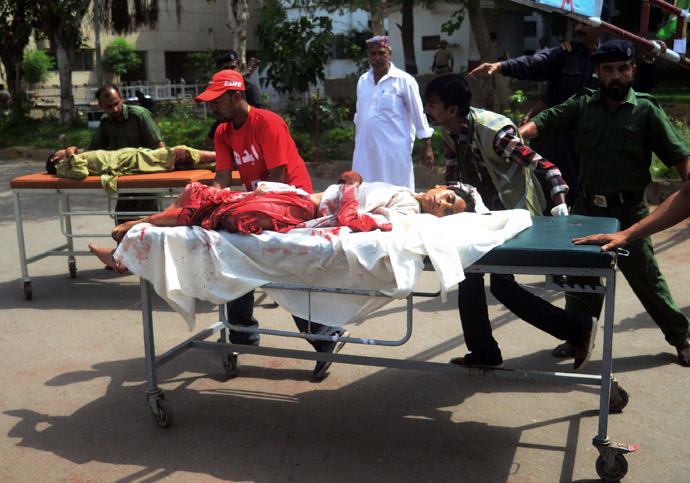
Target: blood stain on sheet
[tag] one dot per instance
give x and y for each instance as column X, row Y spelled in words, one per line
column 286, row 251
column 141, row 236
column 271, row 249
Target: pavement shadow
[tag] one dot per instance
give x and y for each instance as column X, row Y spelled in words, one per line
column 373, row 429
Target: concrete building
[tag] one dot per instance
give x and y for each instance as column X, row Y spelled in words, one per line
column 203, row 27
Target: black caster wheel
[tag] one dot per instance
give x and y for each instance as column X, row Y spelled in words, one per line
column 72, row 268
column 616, row 473
column 27, row 291
column 618, row 401
column 231, row 364
column 162, row 412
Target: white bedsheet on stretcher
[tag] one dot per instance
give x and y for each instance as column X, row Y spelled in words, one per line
column 186, row 263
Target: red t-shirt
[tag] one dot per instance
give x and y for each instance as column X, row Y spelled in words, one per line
column 262, row 143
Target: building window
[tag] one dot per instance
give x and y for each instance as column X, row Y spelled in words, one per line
column 83, row 60
column 530, row 28
column 430, row 42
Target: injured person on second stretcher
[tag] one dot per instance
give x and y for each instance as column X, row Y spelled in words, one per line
column 111, row 164
column 278, row 207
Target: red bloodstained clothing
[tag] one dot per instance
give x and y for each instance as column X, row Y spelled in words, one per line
column 262, row 143
column 244, row 212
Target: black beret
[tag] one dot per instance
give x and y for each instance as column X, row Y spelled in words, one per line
column 229, row 56
column 613, row 51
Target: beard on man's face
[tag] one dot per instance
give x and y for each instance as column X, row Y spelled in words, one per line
column 616, row 90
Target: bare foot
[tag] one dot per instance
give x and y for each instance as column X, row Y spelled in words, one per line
column 105, row 255
column 121, row 230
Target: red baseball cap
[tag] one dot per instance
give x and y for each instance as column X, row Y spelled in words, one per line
column 225, row 80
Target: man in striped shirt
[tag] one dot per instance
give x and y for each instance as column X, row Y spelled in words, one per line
column 484, row 149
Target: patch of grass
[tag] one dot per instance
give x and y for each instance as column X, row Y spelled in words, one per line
column 43, row 134
column 672, row 96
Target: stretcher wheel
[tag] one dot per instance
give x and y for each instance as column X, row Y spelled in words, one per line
column 231, row 363
column 27, row 291
column 72, row 264
column 618, row 401
column 163, row 413
column 620, row 468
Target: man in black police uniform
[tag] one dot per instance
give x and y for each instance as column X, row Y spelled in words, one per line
column 567, row 68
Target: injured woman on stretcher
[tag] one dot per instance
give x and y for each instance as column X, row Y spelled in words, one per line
column 217, row 244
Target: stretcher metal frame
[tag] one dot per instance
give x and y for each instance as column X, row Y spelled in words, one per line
column 610, row 465
column 162, row 186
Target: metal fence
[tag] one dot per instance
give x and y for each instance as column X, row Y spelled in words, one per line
column 86, row 95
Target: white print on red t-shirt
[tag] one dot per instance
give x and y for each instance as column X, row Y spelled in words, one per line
column 246, row 157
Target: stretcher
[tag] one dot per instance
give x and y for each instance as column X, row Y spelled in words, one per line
column 164, row 186
column 545, row 249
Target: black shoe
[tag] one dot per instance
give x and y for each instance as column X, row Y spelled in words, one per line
column 331, row 348
column 471, row 359
column 583, row 349
column 684, row 352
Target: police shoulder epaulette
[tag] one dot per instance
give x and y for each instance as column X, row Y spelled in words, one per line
column 567, row 46
column 649, row 97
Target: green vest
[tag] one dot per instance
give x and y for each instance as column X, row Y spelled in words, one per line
column 517, row 186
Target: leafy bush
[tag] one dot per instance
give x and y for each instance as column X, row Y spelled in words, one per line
column 36, row 64
column 204, row 61
column 659, row 169
column 305, row 145
column 303, row 117
column 517, row 103
column 119, row 57
column 179, row 124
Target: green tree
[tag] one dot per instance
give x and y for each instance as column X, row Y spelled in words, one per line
column 36, row 64
column 204, row 61
column 60, row 21
column 17, row 20
column 119, row 57
column 295, row 51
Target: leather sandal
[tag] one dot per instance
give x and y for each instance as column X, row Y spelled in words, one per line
column 563, row 350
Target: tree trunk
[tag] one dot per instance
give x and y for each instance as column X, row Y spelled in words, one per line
column 12, row 63
column 376, row 18
column 238, row 14
column 65, row 55
column 482, row 85
column 407, row 33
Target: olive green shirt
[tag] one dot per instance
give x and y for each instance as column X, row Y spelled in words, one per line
column 111, row 164
column 138, row 129
column 615, row 148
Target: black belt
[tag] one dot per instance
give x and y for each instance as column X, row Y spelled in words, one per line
column 616, row 199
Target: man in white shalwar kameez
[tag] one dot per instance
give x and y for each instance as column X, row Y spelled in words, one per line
column 389, row 115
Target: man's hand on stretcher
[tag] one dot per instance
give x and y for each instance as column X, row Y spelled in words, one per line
column 64, row 154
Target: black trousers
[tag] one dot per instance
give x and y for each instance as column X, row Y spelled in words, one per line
column 241, row 312
column 474, row 312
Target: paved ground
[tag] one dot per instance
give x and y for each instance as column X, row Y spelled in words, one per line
column 72, row 405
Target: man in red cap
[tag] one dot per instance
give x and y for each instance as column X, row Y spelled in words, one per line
column 258, row 144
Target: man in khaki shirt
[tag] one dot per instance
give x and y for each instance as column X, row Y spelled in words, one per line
column 443, row 59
